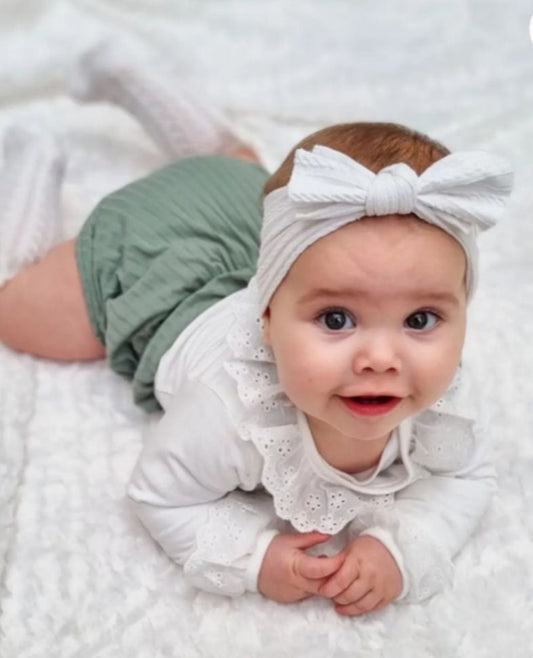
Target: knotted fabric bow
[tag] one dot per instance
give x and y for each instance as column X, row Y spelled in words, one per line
column 463, row 193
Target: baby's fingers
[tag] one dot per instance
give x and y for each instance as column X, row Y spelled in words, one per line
column 371, row 602
column 315, row 568
column 340, row 580
column 357, row 591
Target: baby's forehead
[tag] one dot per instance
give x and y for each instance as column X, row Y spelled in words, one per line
column 394, row 252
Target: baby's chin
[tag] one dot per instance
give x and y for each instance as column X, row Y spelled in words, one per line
column 372, row 432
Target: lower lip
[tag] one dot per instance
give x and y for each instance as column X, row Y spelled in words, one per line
column 362, row 408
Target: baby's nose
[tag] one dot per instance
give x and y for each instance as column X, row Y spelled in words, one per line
column 376, row 352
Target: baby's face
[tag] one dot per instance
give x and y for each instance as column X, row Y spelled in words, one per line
column 367, row 327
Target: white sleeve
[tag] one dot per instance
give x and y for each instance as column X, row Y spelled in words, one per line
column 185, row 490
column 431, row 521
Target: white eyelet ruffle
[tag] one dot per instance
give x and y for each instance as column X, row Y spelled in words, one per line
column 445, row 435
column 429, row 567
column 224, row 544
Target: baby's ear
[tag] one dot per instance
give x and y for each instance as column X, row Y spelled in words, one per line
column 266, row 326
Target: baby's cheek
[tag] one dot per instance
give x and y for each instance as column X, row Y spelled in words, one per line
column 438, row 375
column 297, row 375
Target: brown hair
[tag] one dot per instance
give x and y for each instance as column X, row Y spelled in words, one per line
column 374, row 145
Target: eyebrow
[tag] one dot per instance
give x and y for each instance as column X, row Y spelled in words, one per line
column 319, row 293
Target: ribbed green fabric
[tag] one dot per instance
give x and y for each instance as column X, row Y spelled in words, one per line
column 155, row 254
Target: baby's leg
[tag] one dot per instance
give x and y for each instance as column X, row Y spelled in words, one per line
column 178, row 122
column 42, row 307
column 43, row 310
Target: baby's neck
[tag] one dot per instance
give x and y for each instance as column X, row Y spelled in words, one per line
column 345, row 453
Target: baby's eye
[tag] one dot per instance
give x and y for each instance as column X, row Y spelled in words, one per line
column 422, row 320
column 336, row 320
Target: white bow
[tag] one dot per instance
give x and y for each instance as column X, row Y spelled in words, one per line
column 462, row 190
column 462, row 193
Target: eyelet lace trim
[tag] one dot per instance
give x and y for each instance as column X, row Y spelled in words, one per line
column 225, row 543
column 444, row 436
column 429, row 567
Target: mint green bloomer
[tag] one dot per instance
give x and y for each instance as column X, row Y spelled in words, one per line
column 155, row 254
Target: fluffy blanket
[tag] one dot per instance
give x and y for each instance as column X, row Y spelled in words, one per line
column 79, row 578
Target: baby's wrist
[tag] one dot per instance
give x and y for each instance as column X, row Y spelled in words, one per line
column 386, row 538
column 256, row 559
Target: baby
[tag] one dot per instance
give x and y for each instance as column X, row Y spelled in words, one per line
column 318, row 434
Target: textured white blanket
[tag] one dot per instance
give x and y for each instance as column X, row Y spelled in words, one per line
column 79, row 578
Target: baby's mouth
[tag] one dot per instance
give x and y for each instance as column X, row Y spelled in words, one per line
column 371, row 405
column 372, row 399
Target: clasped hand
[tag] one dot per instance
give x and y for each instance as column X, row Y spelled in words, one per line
column 361, row 578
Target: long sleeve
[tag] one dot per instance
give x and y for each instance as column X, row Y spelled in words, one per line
column 433, row 518
column 193, row 490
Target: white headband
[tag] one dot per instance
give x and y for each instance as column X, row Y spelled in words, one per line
column 462, row 193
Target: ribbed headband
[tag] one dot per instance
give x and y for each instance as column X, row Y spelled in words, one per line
column 463, row 193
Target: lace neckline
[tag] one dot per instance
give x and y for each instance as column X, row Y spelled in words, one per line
column 306, row 490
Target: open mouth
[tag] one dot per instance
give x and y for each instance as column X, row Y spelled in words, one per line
column 377, row 399
column 371, row 405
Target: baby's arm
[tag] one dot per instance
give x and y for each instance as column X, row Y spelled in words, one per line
column 184, row 489
column 431, row 521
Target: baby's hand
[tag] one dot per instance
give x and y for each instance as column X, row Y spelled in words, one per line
column 288, row 574
column 368, row 580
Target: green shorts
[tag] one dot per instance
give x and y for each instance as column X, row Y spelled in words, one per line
column 155, row 254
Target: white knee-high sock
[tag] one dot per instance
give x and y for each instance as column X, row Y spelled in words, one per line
column 30, row 181
column 179, row 123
